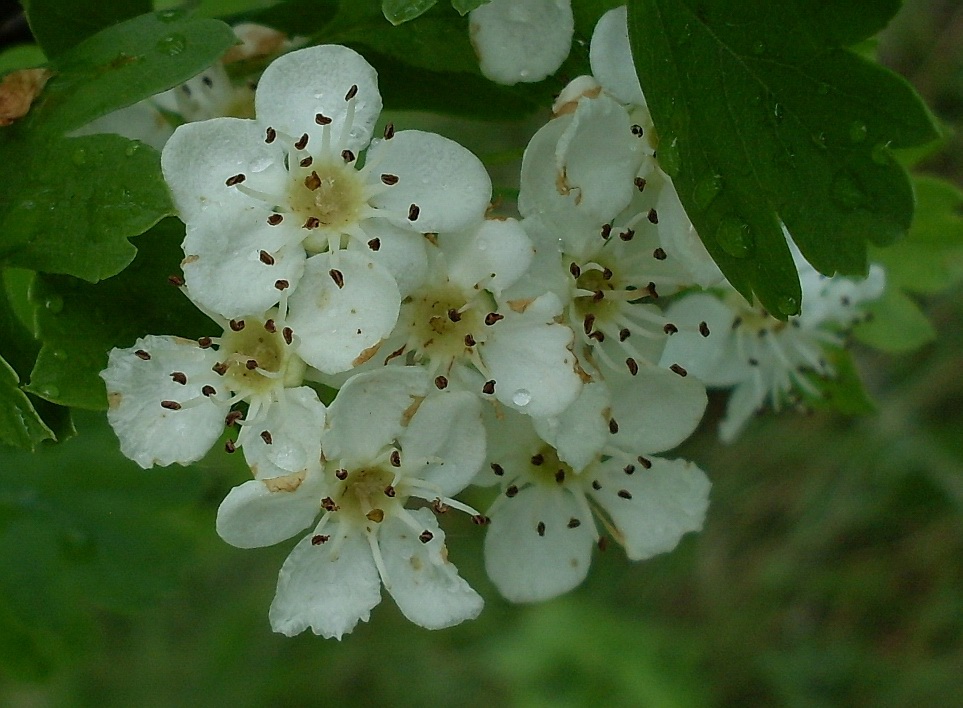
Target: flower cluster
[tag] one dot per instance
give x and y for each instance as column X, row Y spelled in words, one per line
column 547, row 361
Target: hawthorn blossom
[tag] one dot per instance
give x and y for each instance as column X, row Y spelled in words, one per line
column 287, row 184
column 170, row 398
column 521, row 40
column 561, row 478
column 764, row 359
column 389, row 439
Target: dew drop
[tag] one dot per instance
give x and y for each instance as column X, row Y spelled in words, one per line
column 734, row 237
column 59, row 354
column 172, row 45
column 779, row 111
column 49, row 391
column 788, row 305
column 857, row 132
column 668, row 156
column 54, row 304
column 521, row 397
column 706, row 191
column 881, row 154
column 171, row 15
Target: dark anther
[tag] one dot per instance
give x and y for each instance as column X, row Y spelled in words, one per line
column 288, row 335
column 230, row 446
column 598, row 296
column 266, row 258
column 511, row 491
column 659, row 254
column 236, row 325
column 653, row 216
column 341, row 474
column 598, row 336
column 328, row 504
column 266, row 437
column 374, row 244
column 559, row 475
column 390, row 491
column 538, row 459
column 588, row 323
column 171, row 405
column 236, row 179
column 389, row 179
column 348, row 156
column 629, row 469
column 652, row 291
column 645, row 462
column 207, row 81
column 637, row 130
column 413, row 211
column 441, row 383
column 208, row 390
column 205, row 342
column 337, row 276
column 607, row 274
column 271, row 326
column 624, row 334
column 352, row 92
column 321, row 119
column 480, row 520
column 704, row 329
column 395, row 458
column 670, row 328
column 282, row 284
column 311, row 223
column 270, row 135
column 753, row 361
column 179, row 377
column 302, row 142
column 389, row 131
column 574, row 270
column 606, row 231
column 220, row 368
column 736, row 322
column 613, row 426
column 454, row 315
column 493, row 317
column 250, row 364
column 640, row 183
column 540, row 529
column 318, row 539
column 175, row 280
column 498, row 469
column 425, row 536
column 141, row 354
column 596, row 485
column 602, row 543
column 574, row 523
column 275, row 219
column 489, row 387
column 676, row 368
column 469, row 340
column 232, row 418
column 633, row 366
column 439, row 506
column 306, row 162
column 625, row 494
column 627, row 235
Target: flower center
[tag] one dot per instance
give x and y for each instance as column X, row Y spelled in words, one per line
column 444, row 325
column 547, row 469
column 366, row 493
column 328, row 197
column 258, row 359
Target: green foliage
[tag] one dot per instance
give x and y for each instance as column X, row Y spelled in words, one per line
column 845, row 392
column 928, row 261
column 79, row 323
column 59, row 25
column 82, row 529
column 764, row 119
column 465, row 6
column 400, row 11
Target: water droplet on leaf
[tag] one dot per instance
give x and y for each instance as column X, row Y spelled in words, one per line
column 172, row 44
column 779, row 111
column 171, row 15
column 132, row 149
column 49, row 391
column 734, row 237
column 881, row 154
column 706, row 191
column 59, row 354
column 788, row 305
column 54, row 304
column 668, row 156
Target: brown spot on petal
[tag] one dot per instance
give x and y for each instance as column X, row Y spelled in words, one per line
column 366, row 354
column 287, row 483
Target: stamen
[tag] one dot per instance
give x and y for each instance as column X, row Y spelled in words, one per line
column 497, row 469
column 282, row 284
column 389, row 179
column 413, row 211
column 288, row 335
column 275, row 219
column 676, row 368
column 270, row 135
column 141, row 354
column 319, row 539
column 230, row 446
column 311, row 223
column 306, row 162
column 540, row 529
column 625, row 493
column 352, row 92
column 175, row 280
column 337, row 276
column 236, row 179
column 374, row 244
column 220, row 368
column 670, row 328
column 493, row 317
column 659, row 254
column 341, row 474
column 389, row 131
column 232, row 418
column 640, row 183
column 302, row 142
column 267, row 438
column 179, row 377
column 171, row 405
column 236, row 325
column 348, row 156
column 441, row 383
column 653, row 216
column 511, row 491
column 205, row 342
column 266, row 258
column 425, row 536
column 322, row 119
column 637, row 130
column 704, row 329
column 208, row 391
column 633, row 366
column 395, row 458
column 489, row 387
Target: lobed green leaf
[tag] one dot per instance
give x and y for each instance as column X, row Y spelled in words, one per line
column 59, row 25
column 400, row 11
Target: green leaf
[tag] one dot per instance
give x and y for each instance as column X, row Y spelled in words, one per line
column 844, row 392
column 463, row 7
column 79, row 323
column 400, row 11
column 20, row 424
column 22, row 56
column 83, row 529
column 59, row 25
column 896, row 324
column 765, row 118
column 76, row 202
column 127, row 63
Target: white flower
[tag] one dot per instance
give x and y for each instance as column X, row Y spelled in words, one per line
column 762, row 358
column 387, row 440
column 598, row 466
column 170, row 398
column 287, row 184
column 521, row 40
column 457, row 324
column 610, row 57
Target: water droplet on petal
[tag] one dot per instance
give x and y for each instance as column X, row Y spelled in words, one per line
column 172, row 45
column 706, row 191
column 788, row 305
column 735, row 237
column 54, row 304
column 668, row 156
column 521, row 397
column 857, row 132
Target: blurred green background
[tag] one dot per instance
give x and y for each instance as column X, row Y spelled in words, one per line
column 829, row 573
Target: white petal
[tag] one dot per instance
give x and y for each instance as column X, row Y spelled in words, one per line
column 713, row 359
column 200, row 157
column 446, row 181
column 264, row 512
column 533, row 367
column 328, row 587
column 341, row 327
column 512, row 441
column 401, row 251
column 666, row 501
column 611, row 57
column 581, row 430
column 522, row 40
column 140, row 121
column 371, row 410
column 526, row 566
column 538, row 186
column 496, row 254
column 744, row 402
column 656, row 409
column 294, row 423
column 420, row 577
column 223, row 267
column 149, row 433
column 445, row 442
column 680, row 240
column 299, row 85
